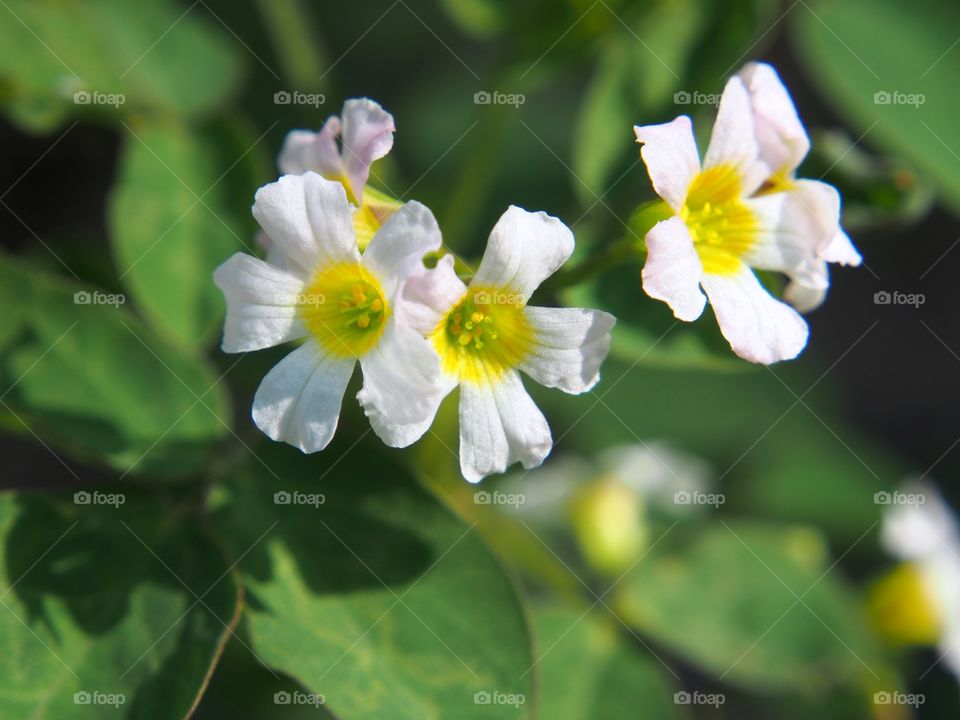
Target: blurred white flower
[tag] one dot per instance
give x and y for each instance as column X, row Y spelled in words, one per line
column 742, row 209
column 486, row 333
column 343, row 304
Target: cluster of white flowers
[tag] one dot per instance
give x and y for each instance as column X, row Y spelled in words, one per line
column 345, row 273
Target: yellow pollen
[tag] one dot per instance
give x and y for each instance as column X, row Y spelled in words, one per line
column 495, row 338
column 344, row 309
column 722, row 226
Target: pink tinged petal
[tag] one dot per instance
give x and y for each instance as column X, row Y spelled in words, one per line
column 823, row 203
column 299, row 400
column 367, row 136
column 261, row 304
column 402, row 386
column 397, row 249
column 523, row 250
column 500, row 425
column 808, row 286
column 781, row 137
column 428, row 295
column 758, row 327
column 571, row 345
column 673, row 269
column 733, row 141
column 670, row 154
column 308, row 218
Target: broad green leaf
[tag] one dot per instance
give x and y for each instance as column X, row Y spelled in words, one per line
column 588, row 671
column 172, row 221
column 88, row 377
column 157, row 54
column 756, row 605
column 895, row 83
column 377, row 597
column 100, row 605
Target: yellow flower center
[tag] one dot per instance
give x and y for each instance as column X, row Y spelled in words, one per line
column 722, row 226
column 484, row 336
column 343, row 307
column 902, row 609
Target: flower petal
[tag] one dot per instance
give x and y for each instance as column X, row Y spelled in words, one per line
column 758, row 327
column 367, row 136
column 673, row 269
column 428, row 295
column 305, row 151
column 402, row 386
column 822, row 201
column 670, row 154
column 500, row 425
column 789, row 232
column 298, row 402
column 808, row 286
column 572, row 343
column 261, row 304
column 523, row 250
column 733, row 142
column 782, row 140
column 400, row 244
column 309, row 218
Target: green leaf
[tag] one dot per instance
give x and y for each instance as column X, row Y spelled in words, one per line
column 377, row 598
column 152, row 52
column 752, row 604
column 896, row 83
column 102, row 600
column 90, row 378
column 589, row 672
column 173, row 220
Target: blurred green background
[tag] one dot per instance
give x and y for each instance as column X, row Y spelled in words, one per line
column 403, row 596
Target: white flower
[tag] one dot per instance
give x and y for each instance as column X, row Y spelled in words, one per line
column 923, row 532
column 741, row 209
column 365, row 131
column 486, row 333
column 343, row 304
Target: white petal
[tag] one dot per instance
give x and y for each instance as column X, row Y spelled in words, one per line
column 781, row 137
column 305, row 151
column 367, row 136
column 732, row 141
column 402, row 386
column 428, row 295
column 571, row 345
column 523, row 250
column 822, row 201
column 758, row 327
column 841, row 250
column 670, row 154
column 808, row 286
column 673, row 269
column 299, row 400
column 789, row 235
column 400, row 244
column 500, row 425
column 261, row 304
column 309, row 218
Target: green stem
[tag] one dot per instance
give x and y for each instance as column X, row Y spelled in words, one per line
column 631, row 247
